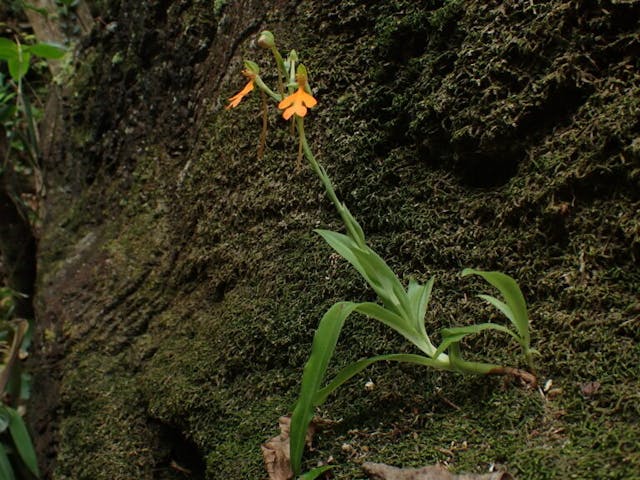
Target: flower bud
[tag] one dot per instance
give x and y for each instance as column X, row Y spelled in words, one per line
column 252, row 67
column 266, row 40
column 301, row 73
column 293, row 56
column 302, row 78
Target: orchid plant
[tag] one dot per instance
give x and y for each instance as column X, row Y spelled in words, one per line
column 402, row 309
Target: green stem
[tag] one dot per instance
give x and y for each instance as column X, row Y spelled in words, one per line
column 262, row 86
column 463, row 366
column 353, row 228
column 281, row 70
column 317, row 168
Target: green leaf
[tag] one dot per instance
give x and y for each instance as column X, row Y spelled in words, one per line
column 343, row 245
column 8, row 49
column 324, row 344
column 377, row 272
column 6, row 470
column 322, row 349
column 401, row 325
column 25, row 386
column 477, row 328
column 41, row 11
column 352, row 370
column 419, row 296
column 513, row 298
column 372, row 268
column 28, row 336
column 456, row 334
column 19, row 66
column 352, row 226
column 52, row 51
column 500, row 305
column 347, row 248
column 22, row 441
column 315, row 473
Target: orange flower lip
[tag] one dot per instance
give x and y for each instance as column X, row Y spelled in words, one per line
column 237, row 98
column 297, row 103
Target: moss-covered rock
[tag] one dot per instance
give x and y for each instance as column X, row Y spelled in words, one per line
column 183, row 281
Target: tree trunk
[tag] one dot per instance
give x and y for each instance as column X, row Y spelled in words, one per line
column 180, row 282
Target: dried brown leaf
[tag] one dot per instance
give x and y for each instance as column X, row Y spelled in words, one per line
column 380, row 471
column 276, row 453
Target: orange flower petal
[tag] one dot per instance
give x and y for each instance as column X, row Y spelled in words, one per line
column 287, row 101
column 308, row 100
column 297, row 103
column 237, row 98
column 299, row 109
column 288, row 113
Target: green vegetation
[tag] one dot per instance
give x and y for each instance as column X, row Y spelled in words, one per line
column 16, row 449
column 401, row 310
column 18, row 60
column 451, row 159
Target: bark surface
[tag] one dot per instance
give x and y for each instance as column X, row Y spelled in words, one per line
column 180, row 283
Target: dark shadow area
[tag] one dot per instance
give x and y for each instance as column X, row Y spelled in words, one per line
column 180, row 456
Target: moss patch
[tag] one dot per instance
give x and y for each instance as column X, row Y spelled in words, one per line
column 499, row 135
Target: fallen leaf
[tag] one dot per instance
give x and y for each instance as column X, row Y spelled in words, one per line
column 276, row 453
column 380, row 471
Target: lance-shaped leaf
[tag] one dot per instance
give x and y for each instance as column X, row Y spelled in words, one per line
column 22, row 440
column 514, row 301
column 315, row 473
column 373, row 269
column 456, row 334
column 419, row 296
column 352, row 370
column 48, row 50
column 8, row 49
column 19, row 65
column 6, row 470
column 324, row 344
column 322, row 349
column 400, row 324
column 352, row 225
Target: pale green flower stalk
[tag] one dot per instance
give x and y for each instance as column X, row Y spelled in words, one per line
column 401, row 309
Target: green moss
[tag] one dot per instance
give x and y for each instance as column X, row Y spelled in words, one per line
column 105, row 421
column 453, row 146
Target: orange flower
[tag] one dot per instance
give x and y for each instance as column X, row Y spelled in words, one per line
column 237, row 98
column 297, row 103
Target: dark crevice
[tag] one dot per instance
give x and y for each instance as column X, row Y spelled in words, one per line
column 179, row 456
column 494, row 164
column 17, row 242
column 487, row 170
column 18, row 247
column 562, row 101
